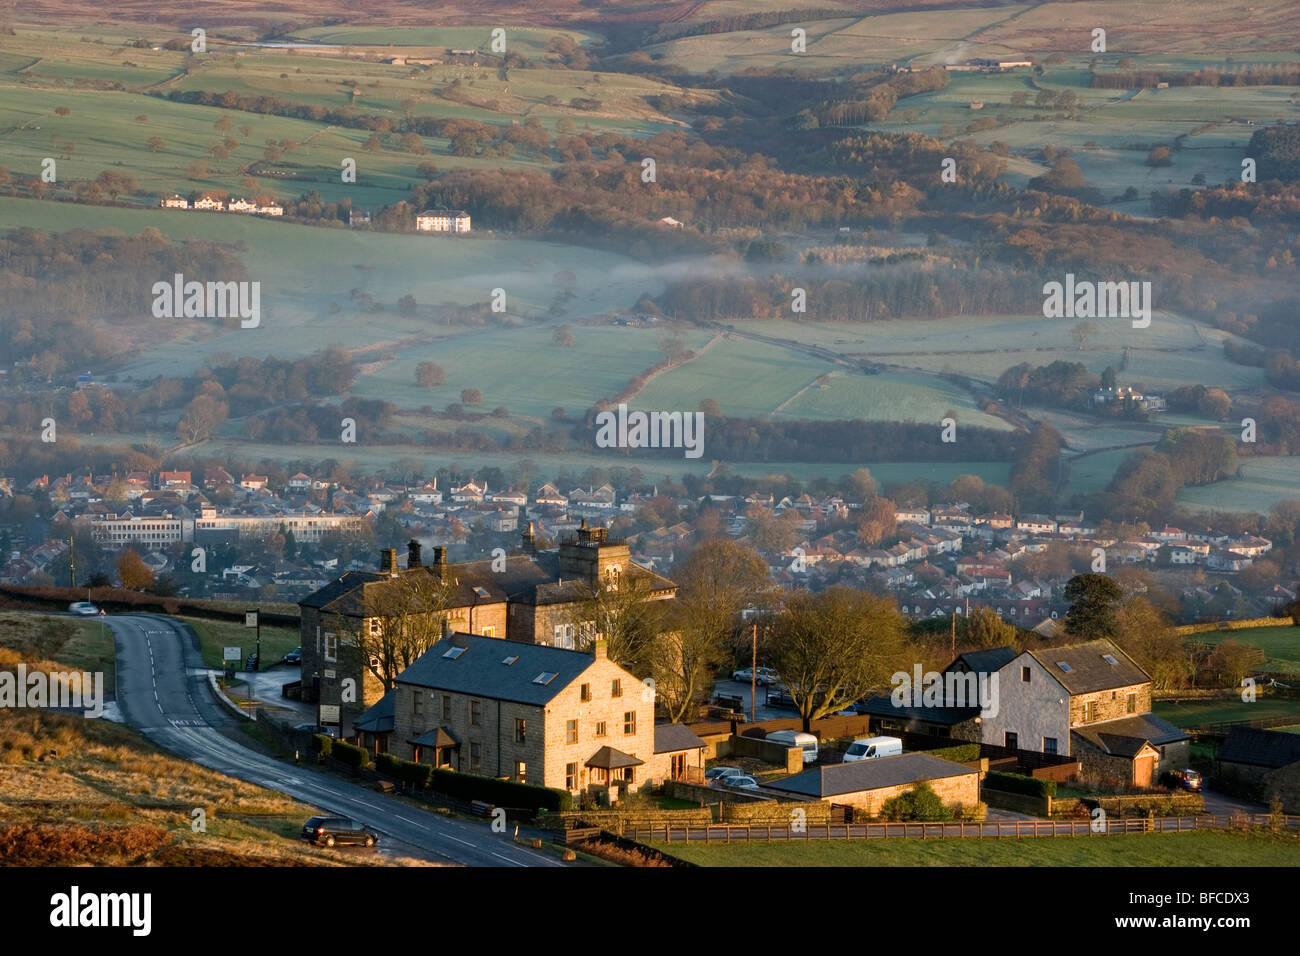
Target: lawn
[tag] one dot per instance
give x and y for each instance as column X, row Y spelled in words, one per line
column 214, row 636
column 1280, row 644
column 1194, row 848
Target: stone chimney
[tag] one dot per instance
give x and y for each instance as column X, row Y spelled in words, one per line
column 439, row 556
column 529, row 540
column 413, row 554
column 600, row 648
column 388, row 561
column 446, row 628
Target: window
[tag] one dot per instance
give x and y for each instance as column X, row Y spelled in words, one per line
column 417, row 703
column 453, row 652
column 1024, row 674
column 475, row 757
column 490, row 631
column 570, row 776
column 564, row 636
column 545, row 677
column 616, row 688
column 1109, row 659
column 446, row 707
column 1012, row 741
column 475, row 713
column 585, row 694
column 375, row 627
column 510, row 660
column 1090, row 711
column 521, row 772
column 1049, row 745
column 1132, row 703
column 600, row 728
column 1064, row 666
column 331, row 646
column 629, row 774
column 629, row 723
column 570, row 731
column 521, row 730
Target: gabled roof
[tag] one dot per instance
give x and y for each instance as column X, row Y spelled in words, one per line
column 379, row 716
column 673, row 737
column 986, row 661
column 1260, row 748
column 831, row 780
column 1126, row 736
column 1088, row 670
column 480, row 669
column 607, row 758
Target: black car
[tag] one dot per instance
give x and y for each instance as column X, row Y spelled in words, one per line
column 327, row 831
column 294, row 656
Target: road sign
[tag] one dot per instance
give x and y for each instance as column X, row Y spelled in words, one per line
column 250, row 619
column 103, row 613
column 233, row 654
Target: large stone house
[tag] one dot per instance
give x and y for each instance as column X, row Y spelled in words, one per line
column 531, row 598
column 536, row 714
column 1090, row 701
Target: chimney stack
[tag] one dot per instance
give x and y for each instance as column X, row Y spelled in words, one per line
column 439, row 556
column 530, row 540
column 600, row 648
column 388, row 561
column 446, row 628
column 413, row 554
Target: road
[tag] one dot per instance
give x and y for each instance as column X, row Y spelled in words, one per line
column 162, row 692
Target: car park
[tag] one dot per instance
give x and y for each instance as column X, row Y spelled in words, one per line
column 328, row 831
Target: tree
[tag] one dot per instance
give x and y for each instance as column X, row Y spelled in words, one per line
column 877, row 521
column 920, row 803
column 62, row 111
column 710, row 408
column 471, row 396
column 832, row 648
column 430, row 374
column 133, row 572
column 1160, row 156
column 201, row 418
column 563, row 336
column 1082, row 332
column 403, row 619
column 985, row 629
column 1094, row 600
column 1232, row 660
column 155, row 143
column 1146, row 635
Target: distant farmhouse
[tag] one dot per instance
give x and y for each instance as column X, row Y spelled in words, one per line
column 442, row 220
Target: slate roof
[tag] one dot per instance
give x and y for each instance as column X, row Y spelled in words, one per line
column 379, row 716
column 670, row 738
column 608, row 758
column 1124, row 737
column 834, row 779
column 438, row 737
column 883, row 706
column 986, row 661
column 481, row 672
column 1260, row 748
column 1089, row 672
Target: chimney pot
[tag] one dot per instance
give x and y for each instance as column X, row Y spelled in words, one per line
column 439, row 555
column 601, row 648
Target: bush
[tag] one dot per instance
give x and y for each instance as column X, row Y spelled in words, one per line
column 504, row 793
column 1014, row 783
column 965, row 753
column 345, row 753
column 921, row 804
column 321, row 745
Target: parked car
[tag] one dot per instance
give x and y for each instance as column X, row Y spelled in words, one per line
column 294, row 656
column 1190, row 780
column 868, row 748
column 84, row 608
column 766, row 677
column 327, row 831
column 738, row 782
column 713, row 773
column 318, row 729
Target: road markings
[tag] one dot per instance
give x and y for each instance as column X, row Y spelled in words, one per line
column 507, row 859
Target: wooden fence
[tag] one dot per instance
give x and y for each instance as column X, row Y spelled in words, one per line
column 721, row 833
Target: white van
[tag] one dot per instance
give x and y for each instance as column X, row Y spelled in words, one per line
column 795, row 738
column 869, row 748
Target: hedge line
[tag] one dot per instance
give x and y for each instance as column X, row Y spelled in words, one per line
column 349, row 754
column 466, row 786
column 614, row 819
column 1234, row 625
column 965, row 753
column 1014, row 783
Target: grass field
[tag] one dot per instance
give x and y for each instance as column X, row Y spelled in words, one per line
column 1196, row 848
column 1191, row 713
column 216, row 635
column 1280, row 644
column 71, row 643
column 1264, row 482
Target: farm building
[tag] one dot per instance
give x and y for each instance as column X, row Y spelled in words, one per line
column 867, row 784
column 442, row 220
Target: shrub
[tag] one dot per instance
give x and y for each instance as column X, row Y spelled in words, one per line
column 321, row 745
column 1014, row 783
column 352, row 756
column 504, row 793
column 921, row 804
column 965, row 753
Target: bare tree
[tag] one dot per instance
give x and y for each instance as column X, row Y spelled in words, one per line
column 403, row 619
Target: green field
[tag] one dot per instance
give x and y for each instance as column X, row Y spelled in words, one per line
column 214, row 636
column 1264, row 482
column 1192, row 713
column 1280, row 644
column 1194, row 848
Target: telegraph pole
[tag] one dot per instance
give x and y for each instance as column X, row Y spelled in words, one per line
column 753, row 676
column 72, row 562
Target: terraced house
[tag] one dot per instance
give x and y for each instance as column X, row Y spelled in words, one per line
column 536, row 714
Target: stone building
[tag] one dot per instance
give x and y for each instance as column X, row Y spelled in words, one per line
column 865, row 785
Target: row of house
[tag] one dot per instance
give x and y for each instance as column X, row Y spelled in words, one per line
column 213, row 204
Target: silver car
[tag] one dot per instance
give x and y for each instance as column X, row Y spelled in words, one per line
column 717, row 773
column 739, row 782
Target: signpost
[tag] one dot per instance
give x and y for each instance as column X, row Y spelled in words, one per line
column 253, row 619
column 231, row 656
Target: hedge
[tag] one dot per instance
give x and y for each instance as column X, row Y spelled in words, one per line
column 467, row 786
column 1187, row 629
column 965, row 753
column 1014, row 783
column 349, row 754
column 321, row 744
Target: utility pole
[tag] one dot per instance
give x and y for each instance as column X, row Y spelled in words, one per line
column 753, row 676
column 954, row 632
column 72, row 561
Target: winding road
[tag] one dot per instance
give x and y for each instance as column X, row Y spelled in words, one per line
column 162, row 692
